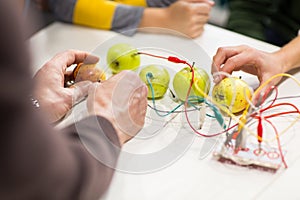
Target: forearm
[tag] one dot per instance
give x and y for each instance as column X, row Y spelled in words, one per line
column 101, row 14
column 44, row 164
column 289, row 55
column 154, row 17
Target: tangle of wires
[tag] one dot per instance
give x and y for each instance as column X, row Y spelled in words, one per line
column 252, row 112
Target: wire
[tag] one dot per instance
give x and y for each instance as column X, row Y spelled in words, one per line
column 242, row 121
column 148, row 77
column 278, row 142
column 187, row 101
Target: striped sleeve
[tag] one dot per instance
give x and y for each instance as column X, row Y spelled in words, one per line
column 101, row 14
column 159, row 3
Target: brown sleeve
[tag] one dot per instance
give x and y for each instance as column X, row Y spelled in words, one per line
column 38, row 162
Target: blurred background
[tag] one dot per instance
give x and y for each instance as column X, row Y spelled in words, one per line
column 219, row 15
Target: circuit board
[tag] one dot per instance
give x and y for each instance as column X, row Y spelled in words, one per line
column 266, row 158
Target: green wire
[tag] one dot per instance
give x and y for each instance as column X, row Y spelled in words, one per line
column 191, row 101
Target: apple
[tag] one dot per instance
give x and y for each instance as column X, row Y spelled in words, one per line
column 122, row 57
column 89, row 72
column 159, row 78
column 229, row 88
column 182, row 81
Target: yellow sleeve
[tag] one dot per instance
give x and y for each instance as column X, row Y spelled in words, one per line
column 133, row 2
column 95, row 13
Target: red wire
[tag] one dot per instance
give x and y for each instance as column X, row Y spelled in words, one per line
column 259, row 130
column 272, row 105
column 278, row 143
column 152, row 55
column 186, row 115
column 177, row 60
column 273, row 101
column 286, row 104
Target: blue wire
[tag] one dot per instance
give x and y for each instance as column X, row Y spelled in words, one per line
column 216, row 111
column 191, row 101
column 148, row 76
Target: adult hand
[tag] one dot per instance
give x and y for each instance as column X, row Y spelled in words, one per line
column 262, row 64
column 122, row 99
column 55, row 100
column 189, row 16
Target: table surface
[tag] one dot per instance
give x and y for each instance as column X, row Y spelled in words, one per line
column 192, row 173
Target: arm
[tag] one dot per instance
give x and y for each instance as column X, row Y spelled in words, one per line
column 186, row 16
column 290, row 55
column 36, row 161
column 101, row 14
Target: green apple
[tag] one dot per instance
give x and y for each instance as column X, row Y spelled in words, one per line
column 159, row 78
column 122, row 57
column 229, row 88
column 182, row 81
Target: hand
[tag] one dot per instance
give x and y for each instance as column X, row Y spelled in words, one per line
column 55, row 100
column 122, row 99
column 189, row 16
column 262, row 64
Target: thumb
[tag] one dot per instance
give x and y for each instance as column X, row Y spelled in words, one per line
column 80, row 90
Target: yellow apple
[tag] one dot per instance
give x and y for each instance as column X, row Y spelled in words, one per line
column 232, row 93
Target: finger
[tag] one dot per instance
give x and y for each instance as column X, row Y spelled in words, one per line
column 200, row 20
column 234, row 63
column 67, row 58
column 197, row 32
column 201, row 8
column 138, row 106
column 222, row 55
column 80, row 90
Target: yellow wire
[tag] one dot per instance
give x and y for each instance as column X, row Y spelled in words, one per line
column 245, row 113
column 243, row 119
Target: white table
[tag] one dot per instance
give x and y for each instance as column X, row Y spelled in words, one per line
column 188, row 177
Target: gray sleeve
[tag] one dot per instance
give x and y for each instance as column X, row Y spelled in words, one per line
column 62, row 10
column 126, row 19
column 159, row 3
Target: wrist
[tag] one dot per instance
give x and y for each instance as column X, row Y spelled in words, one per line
column 154, row 17
column 282, row 61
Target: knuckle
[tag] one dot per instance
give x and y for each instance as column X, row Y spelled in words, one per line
column 232, row 62
column 221, row 50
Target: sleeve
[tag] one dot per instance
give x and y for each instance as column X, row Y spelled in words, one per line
column 101, row 14
column 38, row 162
column 160, row 3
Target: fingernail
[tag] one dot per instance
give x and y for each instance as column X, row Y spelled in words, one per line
column 91, row 59
column 217, row 79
